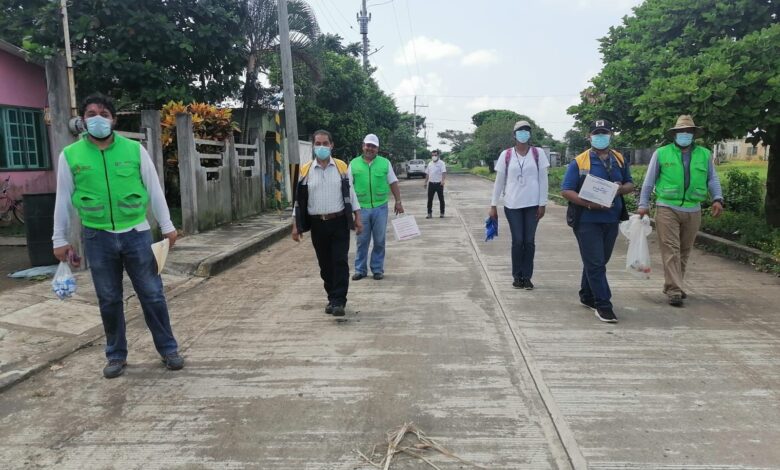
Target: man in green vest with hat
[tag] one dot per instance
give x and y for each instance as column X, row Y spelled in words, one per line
column 110, row 181
column 373, row 178
column 682, row 174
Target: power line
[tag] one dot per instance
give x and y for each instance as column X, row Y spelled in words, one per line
column 346, row 21
column 414, row 48
column 490, row 96
column 403, row 48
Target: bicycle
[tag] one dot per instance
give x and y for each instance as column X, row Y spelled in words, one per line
column 10, row 206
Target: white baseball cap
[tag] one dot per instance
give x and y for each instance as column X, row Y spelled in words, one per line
column 371, row 139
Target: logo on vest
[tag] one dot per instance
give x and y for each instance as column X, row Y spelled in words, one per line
column 81, row 169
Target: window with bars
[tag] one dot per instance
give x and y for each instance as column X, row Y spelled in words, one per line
column 23, row 142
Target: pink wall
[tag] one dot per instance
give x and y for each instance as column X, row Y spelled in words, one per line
column 21, row 83
column 29, row 182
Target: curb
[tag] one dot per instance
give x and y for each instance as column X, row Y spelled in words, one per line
column 218, row 263
column 86, row 339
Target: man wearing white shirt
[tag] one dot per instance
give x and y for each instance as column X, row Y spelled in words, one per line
column 110, row 181
column 521, row 175
column 435, row 175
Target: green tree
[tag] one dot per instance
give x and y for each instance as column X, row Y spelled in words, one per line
column 457, row 140
column 576, row 141
column 261, row 50
column 714, row 59
column 141, row 53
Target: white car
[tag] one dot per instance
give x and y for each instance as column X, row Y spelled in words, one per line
column 415, row 168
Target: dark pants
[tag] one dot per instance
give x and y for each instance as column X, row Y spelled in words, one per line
column 596, row 243
column 435, row 188
column 108, row 255
column 522, row 225
column 331, row 243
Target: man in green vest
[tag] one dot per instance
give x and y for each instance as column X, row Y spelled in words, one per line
column 682, row 174
column 110, row 181
column 373, row 178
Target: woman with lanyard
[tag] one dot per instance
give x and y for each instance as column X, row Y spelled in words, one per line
column 521, row 175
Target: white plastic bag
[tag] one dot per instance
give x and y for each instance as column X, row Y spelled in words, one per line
column 636, row 230
column 64, row 283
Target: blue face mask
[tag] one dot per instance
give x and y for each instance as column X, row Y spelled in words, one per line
column 523, row 136
column 600, row 141
column 99, row 127
column 322, row 152
column 683, row 139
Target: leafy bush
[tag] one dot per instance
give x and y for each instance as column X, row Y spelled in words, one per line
column 743, row 192
column 745, row 228
column 482, row 171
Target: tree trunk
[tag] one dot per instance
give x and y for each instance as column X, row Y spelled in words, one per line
column 772, row 201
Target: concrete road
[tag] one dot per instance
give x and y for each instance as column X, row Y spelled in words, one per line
column 504, row 378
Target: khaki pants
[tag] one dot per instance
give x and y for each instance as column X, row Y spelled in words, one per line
column 676, row 232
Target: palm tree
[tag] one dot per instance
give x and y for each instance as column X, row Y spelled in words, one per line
column 262, row 46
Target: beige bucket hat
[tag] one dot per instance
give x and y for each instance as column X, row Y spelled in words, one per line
column 685, row 121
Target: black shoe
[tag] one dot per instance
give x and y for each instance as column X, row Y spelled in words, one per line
column 518, row 283
column 329, row 309
column 173, row 361
column 606, row 315
column 114, row 368
column 528, row 285
column 429, row 216
column 441, row 216
column 378, row 276
column 358, row 276
column 588, row 303
column 676, row 301
column 338, row 311
column 684, row 296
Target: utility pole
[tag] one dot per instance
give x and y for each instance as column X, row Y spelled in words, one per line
column 68, row 57
column 414, row 127
column 363, row 18
column 290, row 116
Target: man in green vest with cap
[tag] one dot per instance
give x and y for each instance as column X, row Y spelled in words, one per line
column 110, row 181
column 373, row 178
column 682, row 174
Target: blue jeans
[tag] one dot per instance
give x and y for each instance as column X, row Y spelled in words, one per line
column 374, row 226
column 108, row 255
column 522, row 225
column 596, row 242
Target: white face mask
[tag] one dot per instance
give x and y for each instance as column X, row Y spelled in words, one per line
column 435, row 158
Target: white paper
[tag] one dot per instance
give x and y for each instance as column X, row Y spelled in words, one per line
column 598, row 190
column 405, row 228
column 160, row 250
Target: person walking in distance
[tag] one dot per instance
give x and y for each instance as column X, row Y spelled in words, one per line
column 325, row 203
column 110, row 181
column 435, row 175
column 521, row 175
column 374, row 180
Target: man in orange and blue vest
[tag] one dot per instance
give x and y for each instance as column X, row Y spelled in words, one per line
column 596, row 226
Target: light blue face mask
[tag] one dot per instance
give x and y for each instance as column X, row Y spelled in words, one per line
column 600, row 141
column 523, row 136
column 322, row 152
column 99, row 127
column 683, row 139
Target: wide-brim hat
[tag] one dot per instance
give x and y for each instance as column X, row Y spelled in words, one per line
column 685, row 121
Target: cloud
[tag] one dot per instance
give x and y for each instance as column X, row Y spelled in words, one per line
column 480, row 57
column 425, row 49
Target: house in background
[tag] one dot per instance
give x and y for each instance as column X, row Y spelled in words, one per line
column 738, row 149
column 25, row 152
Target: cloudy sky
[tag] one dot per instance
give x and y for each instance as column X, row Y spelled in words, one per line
column 461, row 57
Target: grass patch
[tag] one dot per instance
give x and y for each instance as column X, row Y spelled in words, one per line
column 483, row 171
column 13, row 229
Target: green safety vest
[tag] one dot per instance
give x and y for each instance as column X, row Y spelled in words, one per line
column 670, row 186
column 370, row 181
column 109, row 192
